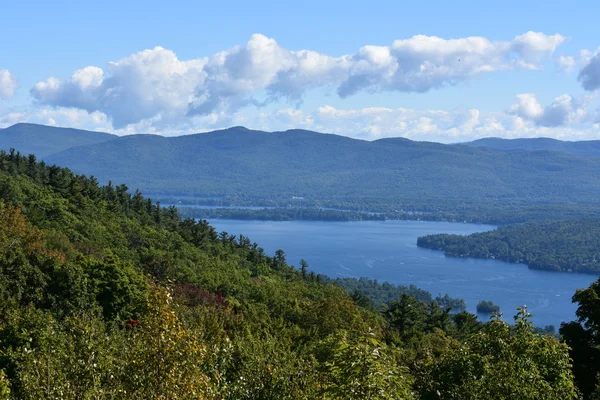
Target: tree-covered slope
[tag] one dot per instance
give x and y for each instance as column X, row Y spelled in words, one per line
column 571, row 245
column 44, row 140
column 238, row 161
column 588, row 148
column 105, row 294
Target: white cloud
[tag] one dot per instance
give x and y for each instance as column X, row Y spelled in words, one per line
column 8, row 84
column 144, row 85
column 155, row 85
column 422, row 63
column 564, row 110
column 262, row 67
column 380, row 122
column 566, row 63
column 533, row 46
column 528, row 107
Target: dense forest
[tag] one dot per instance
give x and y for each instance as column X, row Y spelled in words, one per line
column 105, row 294
column 384, row 294
column 570, row 245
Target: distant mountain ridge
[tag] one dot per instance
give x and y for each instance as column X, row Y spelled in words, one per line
column 315, row 166
column 43, row 140
column 323, row 166
column 588, row 148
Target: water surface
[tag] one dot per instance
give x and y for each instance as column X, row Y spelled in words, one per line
column 387, row 251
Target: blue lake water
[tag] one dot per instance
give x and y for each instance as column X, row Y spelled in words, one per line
column 387, row 251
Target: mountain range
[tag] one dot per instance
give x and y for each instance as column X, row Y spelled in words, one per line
column 299, row 163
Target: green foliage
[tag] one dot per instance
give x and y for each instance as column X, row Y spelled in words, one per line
column 105, row 294
column 502, row 362
column 583, row 338
column 360, row 367
column 449, row 302
column 4, row 386
column 382, row 293
column 487, row 307
column 412, row 317
column 117, row 287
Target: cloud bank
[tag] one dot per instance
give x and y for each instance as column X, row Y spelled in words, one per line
column 155, row 85
column 564, row 110
column 364, row 123
column 369, row 123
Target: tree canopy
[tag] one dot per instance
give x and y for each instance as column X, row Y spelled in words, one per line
column 106, row 294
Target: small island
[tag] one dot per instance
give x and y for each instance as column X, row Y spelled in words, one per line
column 487, row 307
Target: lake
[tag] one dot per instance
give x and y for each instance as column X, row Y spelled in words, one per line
column 387, row 251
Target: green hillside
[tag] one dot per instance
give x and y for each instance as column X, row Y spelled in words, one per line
column 106, row 295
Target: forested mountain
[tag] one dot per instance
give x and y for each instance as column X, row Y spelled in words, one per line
column 309, row 169
column 588, row 148
column 107, row 295
column 44, row 140
column 570, row 245
column 328, row 167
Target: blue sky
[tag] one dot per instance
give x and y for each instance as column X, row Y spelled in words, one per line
column 446, row 71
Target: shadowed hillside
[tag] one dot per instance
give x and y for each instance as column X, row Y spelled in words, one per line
column 589, row 148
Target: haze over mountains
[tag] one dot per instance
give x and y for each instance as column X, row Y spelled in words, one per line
column 256, row 164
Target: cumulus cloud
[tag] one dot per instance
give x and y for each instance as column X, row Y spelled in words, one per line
column 564, row 110
column 144, row 85
column 8, row 84
column 422, row 63
column 156, row 85
column 235, row 76
column 528, row 107
column 589, row 76
column 566, row 63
